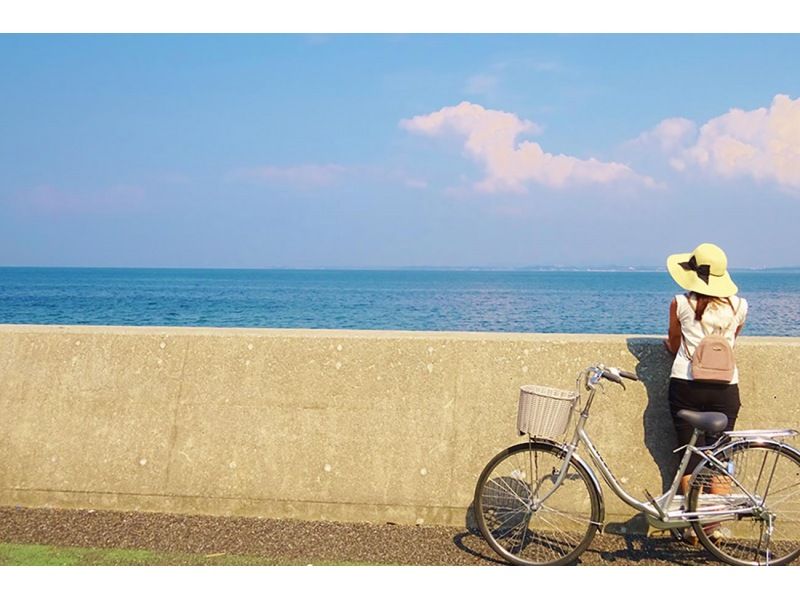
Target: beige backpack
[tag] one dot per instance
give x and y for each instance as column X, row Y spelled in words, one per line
column 713, row 359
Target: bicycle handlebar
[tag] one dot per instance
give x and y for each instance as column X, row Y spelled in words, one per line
column 613, row 374
column 610, row 374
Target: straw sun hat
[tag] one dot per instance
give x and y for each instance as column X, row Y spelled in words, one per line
column 703, row 271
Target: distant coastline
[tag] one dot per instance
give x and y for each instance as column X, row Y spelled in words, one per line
column 602, row 268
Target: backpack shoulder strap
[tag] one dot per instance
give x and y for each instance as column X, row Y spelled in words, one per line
column 734, row 320
column 685, row 344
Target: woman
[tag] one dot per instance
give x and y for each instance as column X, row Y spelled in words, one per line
column 710, row 305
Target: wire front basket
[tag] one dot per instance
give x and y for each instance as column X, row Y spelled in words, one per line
column 543, row 411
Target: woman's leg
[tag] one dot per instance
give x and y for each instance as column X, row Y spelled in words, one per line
column 681, row 396
column 725, row 400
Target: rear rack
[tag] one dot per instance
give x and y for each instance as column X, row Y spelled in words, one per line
column 761, row 433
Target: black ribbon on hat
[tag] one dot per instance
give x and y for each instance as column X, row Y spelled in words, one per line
column 703, row 271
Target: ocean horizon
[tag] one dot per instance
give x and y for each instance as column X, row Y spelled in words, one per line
column 619, row 300
column 553, row 268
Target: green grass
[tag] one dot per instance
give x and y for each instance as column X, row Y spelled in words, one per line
column 38, row 555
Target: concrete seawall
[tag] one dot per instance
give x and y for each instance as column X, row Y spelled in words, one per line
column 340, row 425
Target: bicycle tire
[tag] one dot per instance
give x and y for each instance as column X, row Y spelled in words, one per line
column 523, row 535
column 770, row 472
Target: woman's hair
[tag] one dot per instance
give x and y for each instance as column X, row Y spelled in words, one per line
column 704, row 300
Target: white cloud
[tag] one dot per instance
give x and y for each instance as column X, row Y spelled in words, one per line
column 669, row 135
column 763, row 144
column 490, row 138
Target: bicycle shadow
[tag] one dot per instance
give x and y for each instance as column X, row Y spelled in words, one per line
column 471, row 541
column 653, row 369
column 608, row 548
column 649, row 550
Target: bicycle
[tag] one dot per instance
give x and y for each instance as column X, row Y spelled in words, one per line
column 540, row 503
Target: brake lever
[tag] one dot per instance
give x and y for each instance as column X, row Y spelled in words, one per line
column 593, row 379
column 613, row 375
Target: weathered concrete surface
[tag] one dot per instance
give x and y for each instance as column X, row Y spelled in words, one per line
column 339, row 425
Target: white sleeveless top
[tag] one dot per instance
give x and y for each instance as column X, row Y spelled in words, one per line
column 717, row 316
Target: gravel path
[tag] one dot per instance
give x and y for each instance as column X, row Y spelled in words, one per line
column 294, row 542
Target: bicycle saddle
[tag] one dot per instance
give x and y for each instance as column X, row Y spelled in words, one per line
column 707, row 421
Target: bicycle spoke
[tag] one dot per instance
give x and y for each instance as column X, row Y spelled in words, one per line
column 772, row 476
column 557, row 530
column 787, row 497
column 508, row 518
column 510, row 491
column 566, row 516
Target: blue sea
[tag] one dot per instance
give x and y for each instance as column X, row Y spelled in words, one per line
column 626, row 302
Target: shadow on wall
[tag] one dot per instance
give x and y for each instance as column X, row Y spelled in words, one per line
column 653, row 369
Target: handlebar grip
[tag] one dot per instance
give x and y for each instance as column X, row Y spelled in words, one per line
column 612, row 376
column 628, row 375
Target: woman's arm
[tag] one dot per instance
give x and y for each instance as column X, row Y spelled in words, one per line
column 744, row 315
column 673, row 341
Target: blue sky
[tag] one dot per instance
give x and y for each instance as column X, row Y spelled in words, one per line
column 390, row 151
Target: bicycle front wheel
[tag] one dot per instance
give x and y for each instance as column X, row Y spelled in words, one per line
column 770, row 533
column 520, row 528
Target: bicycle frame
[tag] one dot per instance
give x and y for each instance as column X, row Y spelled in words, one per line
column 660, row 511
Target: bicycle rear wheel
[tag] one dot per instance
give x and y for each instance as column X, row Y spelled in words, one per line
column 771, row 473
column 524, row 532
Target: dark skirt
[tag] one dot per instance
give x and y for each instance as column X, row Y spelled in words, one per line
column 701, row 396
